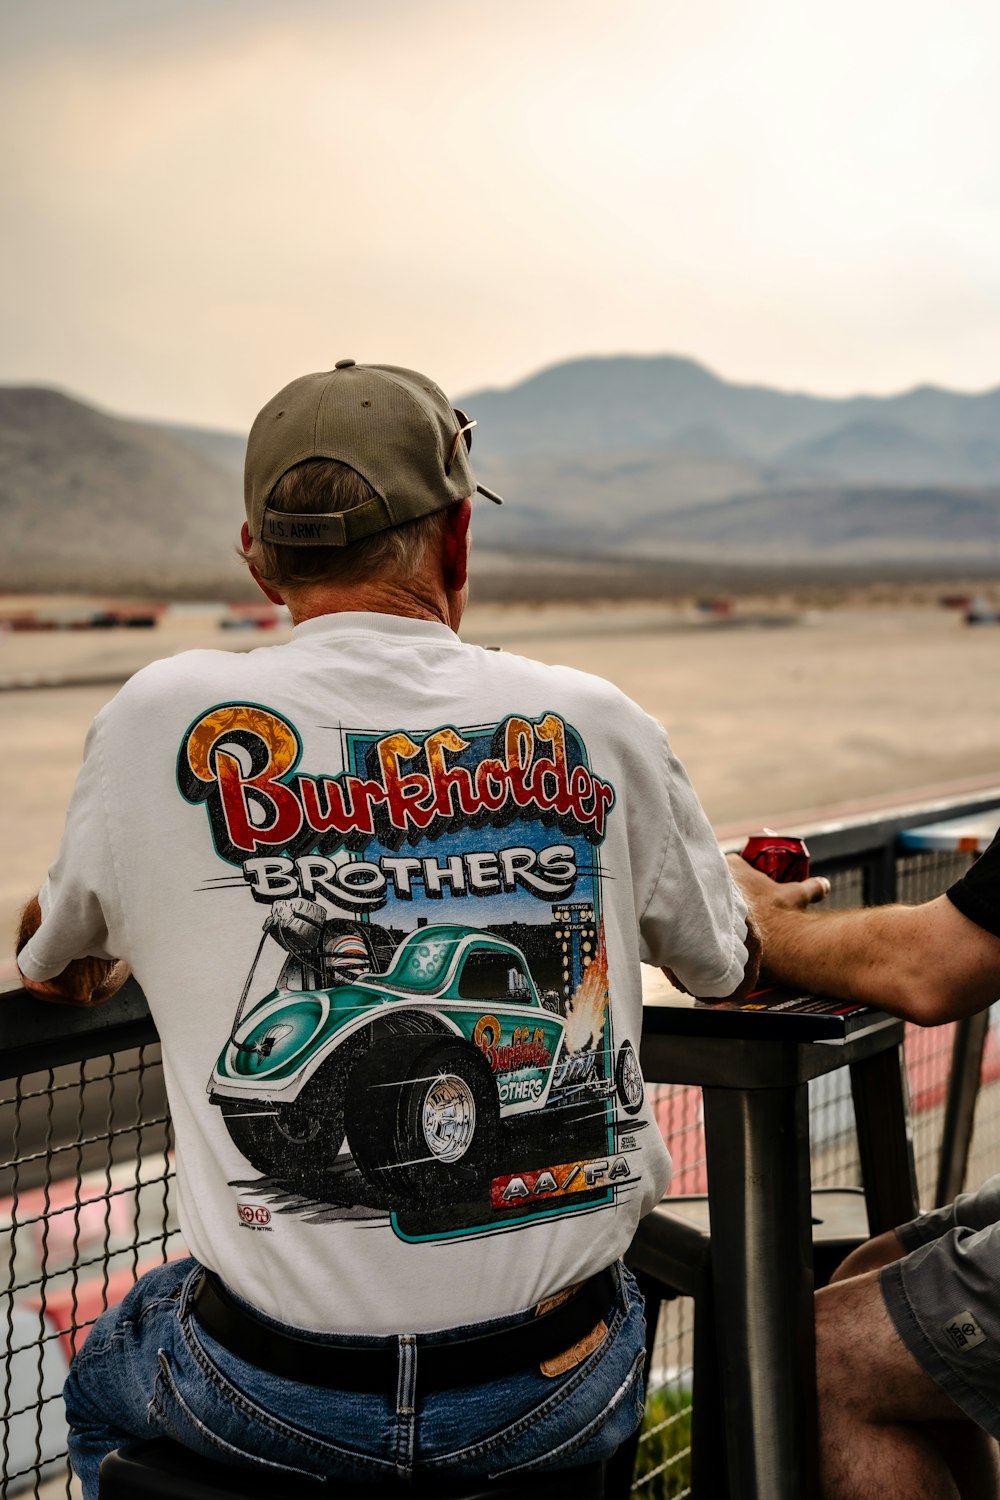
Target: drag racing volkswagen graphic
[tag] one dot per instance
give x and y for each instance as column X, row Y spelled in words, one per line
column 424, row 1035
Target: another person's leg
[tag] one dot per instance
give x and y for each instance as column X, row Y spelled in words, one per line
column 976, row 1210
column 876, row 1363
column 887, row 1430
column 871, row 1256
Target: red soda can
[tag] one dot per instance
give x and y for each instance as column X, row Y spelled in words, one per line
column 777, row 856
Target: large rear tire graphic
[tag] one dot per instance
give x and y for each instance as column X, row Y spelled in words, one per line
column 628, row 1080
column 295, row 1140
column 422, row 1118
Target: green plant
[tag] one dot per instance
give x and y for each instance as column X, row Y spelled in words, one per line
column 663, row 1463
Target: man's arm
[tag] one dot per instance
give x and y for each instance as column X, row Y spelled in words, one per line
column 85, row 981
column 927, row 963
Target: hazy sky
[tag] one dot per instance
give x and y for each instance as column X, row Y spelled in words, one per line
column 201, row 200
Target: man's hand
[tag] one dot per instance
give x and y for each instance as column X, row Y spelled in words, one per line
column 927, row 963
column 86, row 981
column 762, row 892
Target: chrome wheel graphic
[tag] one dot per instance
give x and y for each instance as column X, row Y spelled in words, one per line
column 448, row 1117
column 628, row 1079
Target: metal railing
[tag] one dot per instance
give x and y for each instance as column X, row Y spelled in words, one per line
column 86, row 1174
column 86, row 1203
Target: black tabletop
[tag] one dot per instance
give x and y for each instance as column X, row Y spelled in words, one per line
column 771, row 1015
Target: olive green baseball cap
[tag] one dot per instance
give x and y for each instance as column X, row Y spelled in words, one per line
column 395, row 427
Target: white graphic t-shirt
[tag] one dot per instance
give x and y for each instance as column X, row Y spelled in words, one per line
column 387, row 896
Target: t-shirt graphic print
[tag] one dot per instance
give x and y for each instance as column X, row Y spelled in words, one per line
column 424, row 1036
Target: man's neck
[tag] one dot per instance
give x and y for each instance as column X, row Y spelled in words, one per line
column 413, row 600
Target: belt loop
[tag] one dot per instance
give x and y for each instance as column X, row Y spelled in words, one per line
column 188, row 1291
column 406, row 1404
column 407, row 1382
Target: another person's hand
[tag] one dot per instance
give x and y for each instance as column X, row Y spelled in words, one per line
column 761, row 891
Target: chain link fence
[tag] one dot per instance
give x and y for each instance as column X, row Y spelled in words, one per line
column 86, row 1206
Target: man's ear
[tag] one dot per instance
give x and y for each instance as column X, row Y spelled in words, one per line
column 246, row 541
column 455, row 545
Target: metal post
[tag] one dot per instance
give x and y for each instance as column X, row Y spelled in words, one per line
column 879, row 876
column 885, row 1144
column 960, row 1106
column 757, row 1143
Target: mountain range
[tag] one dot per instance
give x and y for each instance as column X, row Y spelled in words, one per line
column 650, row 460
column 658, row 457
column 656, row 401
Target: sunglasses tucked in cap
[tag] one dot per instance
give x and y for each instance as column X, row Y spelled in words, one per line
column 395, row 427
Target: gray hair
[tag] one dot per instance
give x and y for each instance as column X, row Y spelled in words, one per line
column 323, row 484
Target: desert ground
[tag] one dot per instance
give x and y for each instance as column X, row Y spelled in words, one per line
column 783, row 715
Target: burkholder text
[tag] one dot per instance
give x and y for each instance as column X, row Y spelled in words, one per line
column 241, row 760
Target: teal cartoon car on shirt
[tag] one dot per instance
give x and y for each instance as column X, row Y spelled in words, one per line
column 417, row 1060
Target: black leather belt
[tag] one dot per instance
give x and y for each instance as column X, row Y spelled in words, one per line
column 348, row 1366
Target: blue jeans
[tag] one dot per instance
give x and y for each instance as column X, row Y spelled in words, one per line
column 148, row 1370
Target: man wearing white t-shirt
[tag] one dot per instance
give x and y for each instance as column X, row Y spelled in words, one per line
column 387, row 896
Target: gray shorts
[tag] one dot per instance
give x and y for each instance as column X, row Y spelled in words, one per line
column 944, row 1298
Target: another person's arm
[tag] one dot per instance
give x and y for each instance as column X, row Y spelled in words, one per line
column 928, row 963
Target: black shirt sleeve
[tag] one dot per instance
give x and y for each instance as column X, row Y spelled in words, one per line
column 977, row 894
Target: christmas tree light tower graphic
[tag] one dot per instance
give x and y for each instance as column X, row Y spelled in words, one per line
column 576, row 934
